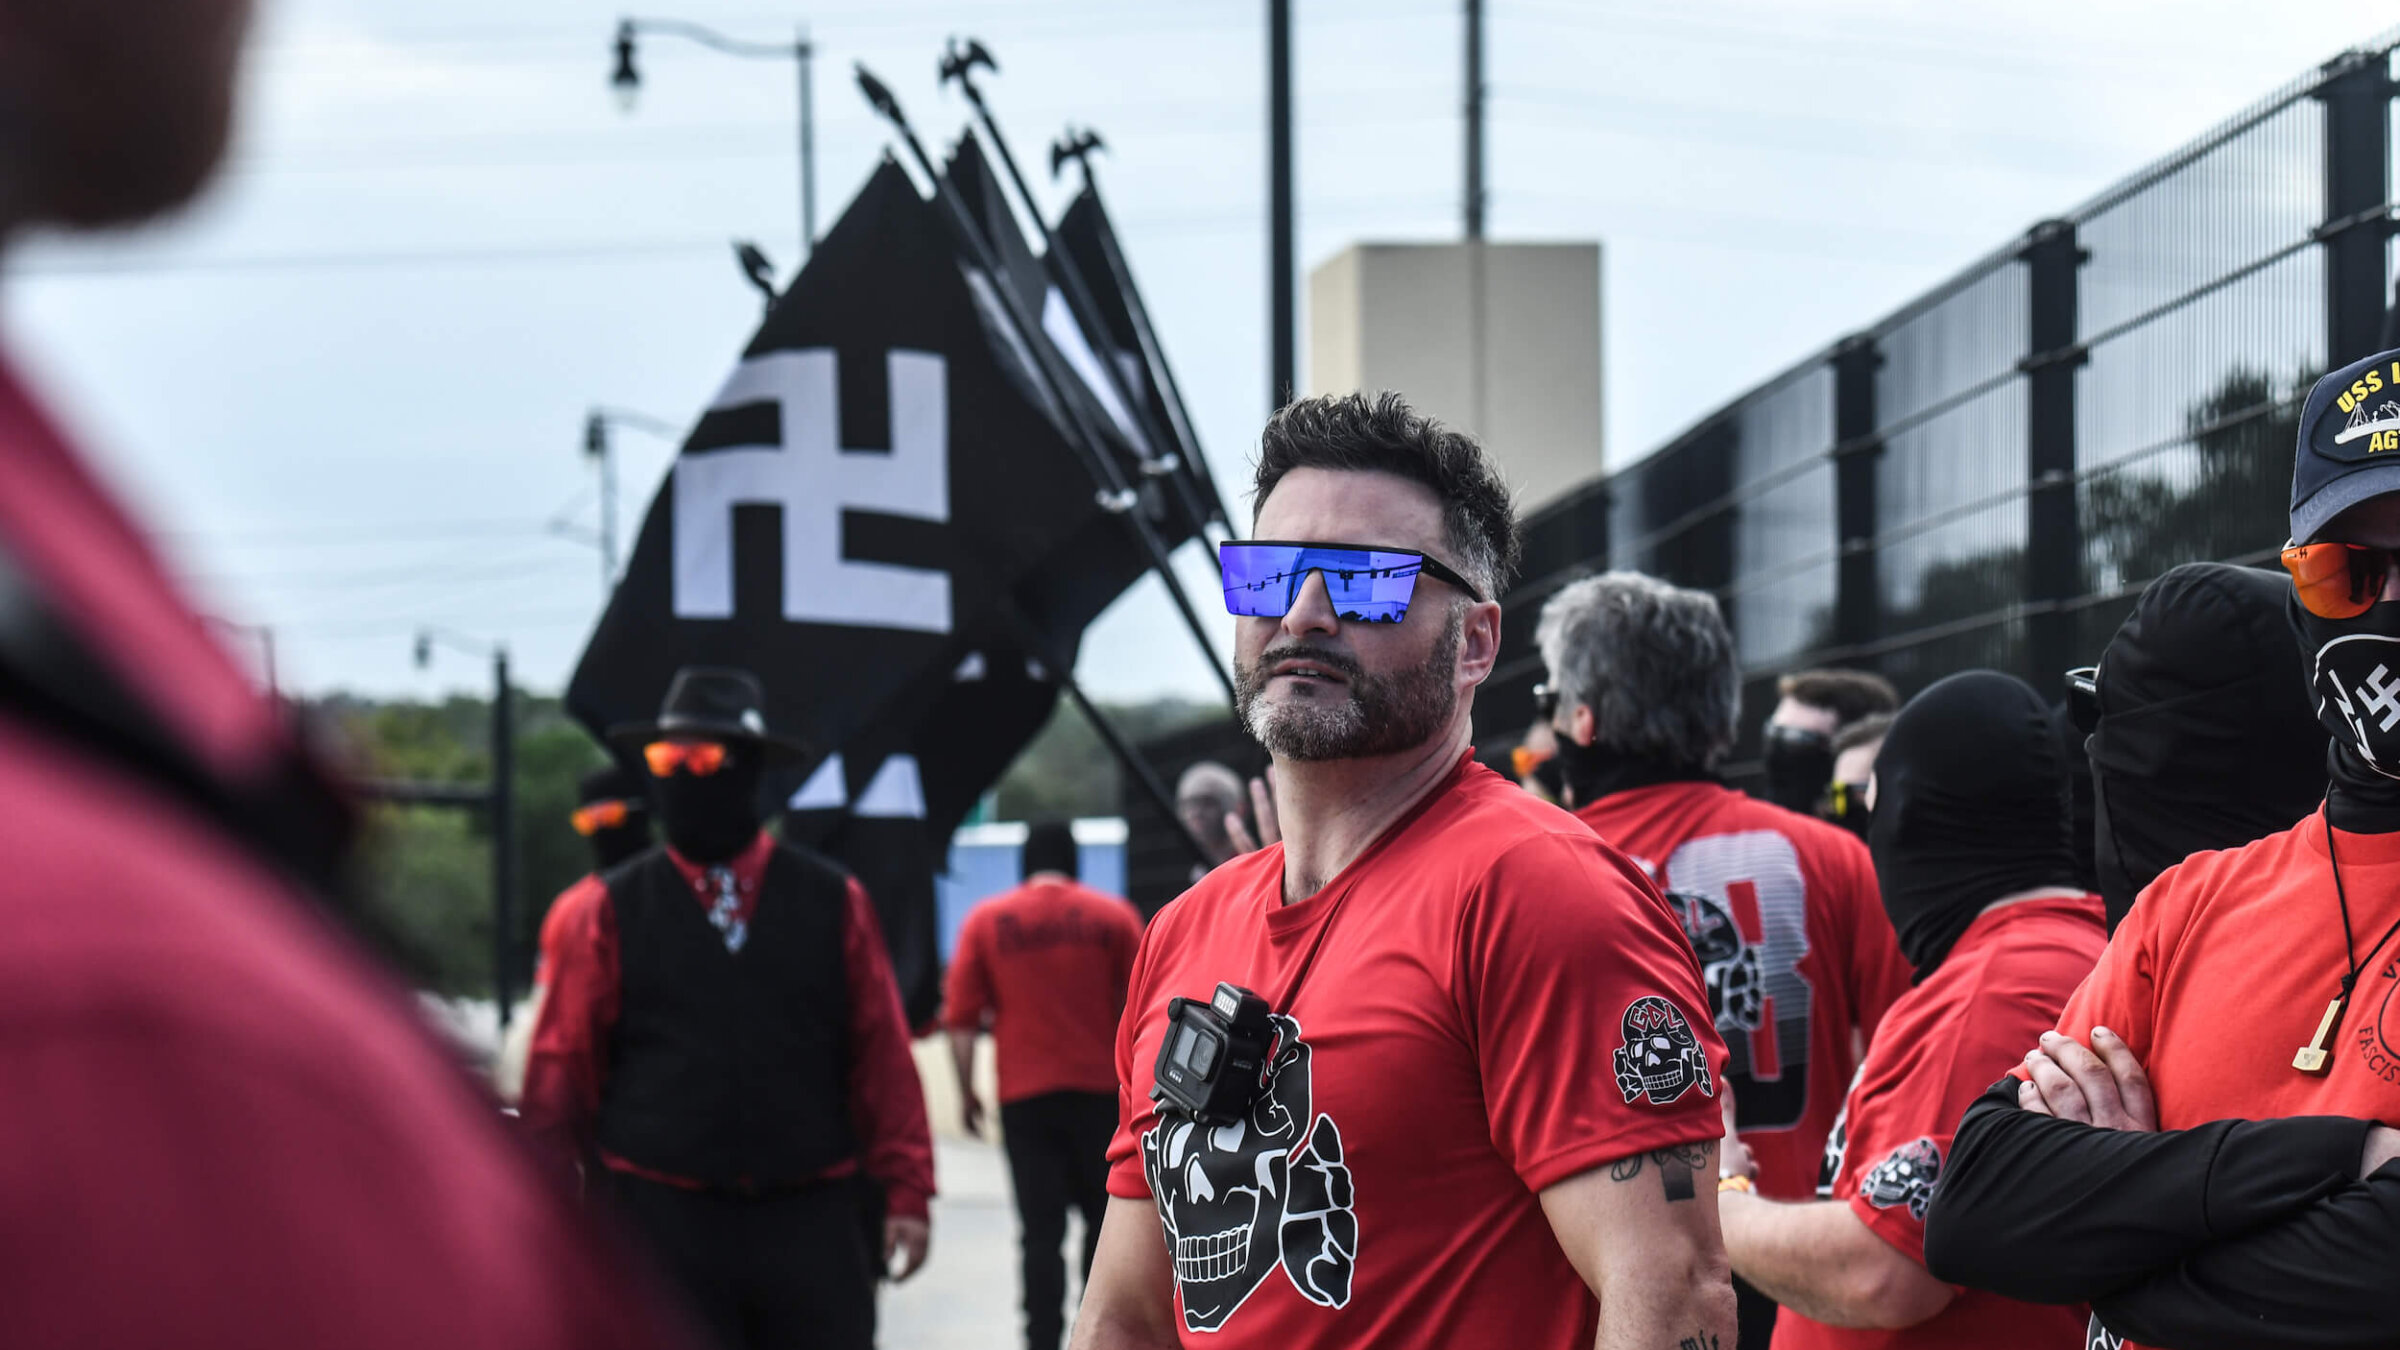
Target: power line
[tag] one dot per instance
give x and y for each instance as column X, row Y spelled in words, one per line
column 581, row 251
column 427, row 531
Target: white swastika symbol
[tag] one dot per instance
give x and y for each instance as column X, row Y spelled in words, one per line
column 2386, row 698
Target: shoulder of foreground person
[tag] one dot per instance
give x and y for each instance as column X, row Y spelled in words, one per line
column 228, row 1127
column 2186, row 891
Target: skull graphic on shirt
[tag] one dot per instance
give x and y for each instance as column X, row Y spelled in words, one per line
column 1737, row 991
column 1270, row 1188
column 1907, row 1177
column 1661, row 1059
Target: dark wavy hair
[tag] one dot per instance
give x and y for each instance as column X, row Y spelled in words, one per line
column 1381, row 433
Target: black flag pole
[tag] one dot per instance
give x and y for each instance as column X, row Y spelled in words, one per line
column 1120, row 499
column 1153, row 787
column 959, row 64
column 1079, row 146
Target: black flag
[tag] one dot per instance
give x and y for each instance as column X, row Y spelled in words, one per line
column 882, row 490
column 1089, row 243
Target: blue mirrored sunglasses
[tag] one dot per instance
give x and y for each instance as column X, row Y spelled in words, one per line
column 1366, row 585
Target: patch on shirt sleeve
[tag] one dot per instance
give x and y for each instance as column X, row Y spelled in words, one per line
column 1905, row 1178
column 1661, row 1059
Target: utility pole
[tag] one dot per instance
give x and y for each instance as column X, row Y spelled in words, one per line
column 1281, row 323
column 504, row 832
column 499, row 798
column 806, row 52
column 1474, row 92
column 602, row 452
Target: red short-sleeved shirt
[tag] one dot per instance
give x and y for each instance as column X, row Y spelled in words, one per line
column 1502, row 1002
column 1046, row 965
column 1940, row 1046
column 2222, row 971
column 1798, row 954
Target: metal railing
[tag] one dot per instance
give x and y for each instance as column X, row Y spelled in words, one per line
column 1989, row 475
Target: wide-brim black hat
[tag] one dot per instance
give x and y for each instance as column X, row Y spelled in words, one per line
column 716, row 703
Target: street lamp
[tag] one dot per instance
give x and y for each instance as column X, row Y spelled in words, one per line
column 626, row 81
column 503, row 799
column 602, row 452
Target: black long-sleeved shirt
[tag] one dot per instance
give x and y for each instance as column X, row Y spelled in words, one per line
column 2226, row 1235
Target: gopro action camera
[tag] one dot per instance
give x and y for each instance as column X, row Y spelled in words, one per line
column 1213, row 1063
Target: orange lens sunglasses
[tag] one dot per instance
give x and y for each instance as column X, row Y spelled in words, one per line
column 697, row 758
column 1524, row 760
column 593, row 817
column 2337, row 581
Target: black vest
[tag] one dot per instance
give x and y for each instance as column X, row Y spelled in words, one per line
column 730, row 1068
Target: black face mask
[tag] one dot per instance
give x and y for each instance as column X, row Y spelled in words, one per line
column 1591, row 772
column 1970, row 806
column 2203, row 733
column 710, row 819
column 1799, row 765
column 1845, row 804
column 619, row 842
column 2354, row 677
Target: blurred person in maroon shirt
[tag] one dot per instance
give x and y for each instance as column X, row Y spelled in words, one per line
column 226, row 1125
column 721, row 1045
column 1780, row 907
column 1044, row 968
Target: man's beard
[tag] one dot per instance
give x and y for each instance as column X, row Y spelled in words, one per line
column 1384, row 714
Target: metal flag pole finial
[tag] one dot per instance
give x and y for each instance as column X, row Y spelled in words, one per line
column 1161, row 457
column 1078, row 144
column 959, row 59
column 1047, row 368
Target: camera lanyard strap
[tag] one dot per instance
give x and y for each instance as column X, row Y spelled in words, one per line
column 1348, row 879
column 1308, row 959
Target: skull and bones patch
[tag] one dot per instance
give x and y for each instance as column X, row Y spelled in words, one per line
column 1661, row 1059
column 1737, row 991
column 1270, row 1189
column 1907, row 1177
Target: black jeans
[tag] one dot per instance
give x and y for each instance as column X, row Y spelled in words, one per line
column 1057, row 1156
column 790, row 1268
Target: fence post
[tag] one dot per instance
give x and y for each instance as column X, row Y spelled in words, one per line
column 2356, row 93
column 2053, row 529
column 1857, row 600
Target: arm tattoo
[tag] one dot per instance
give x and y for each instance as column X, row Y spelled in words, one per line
column 1676, row 1163
column 1697, row 1341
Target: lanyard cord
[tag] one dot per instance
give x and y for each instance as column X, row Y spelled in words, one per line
column 1308, row 962
column 2350, row 943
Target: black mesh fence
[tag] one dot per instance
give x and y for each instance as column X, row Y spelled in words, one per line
column 1989, row 476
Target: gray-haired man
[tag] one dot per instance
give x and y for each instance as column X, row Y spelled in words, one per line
column 1781, row 908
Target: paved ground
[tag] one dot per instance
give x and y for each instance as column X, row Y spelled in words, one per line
column 966, row 1297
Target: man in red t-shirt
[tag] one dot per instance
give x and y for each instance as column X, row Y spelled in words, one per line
column 1044, row 968
column 1972, row 838
column 2244, row 1182
column 1780, row 907
column 1487, row 1112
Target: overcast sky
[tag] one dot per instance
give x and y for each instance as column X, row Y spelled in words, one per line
column 348, row 388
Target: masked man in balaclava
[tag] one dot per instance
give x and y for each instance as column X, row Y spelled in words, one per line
column 1812, row 709
column 612, row 816
column 2206, row 736
column 722, row 1046
column 2195, row 1152
column 1970, row 835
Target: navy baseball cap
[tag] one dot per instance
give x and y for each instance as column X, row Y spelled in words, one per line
column 2349, row 442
